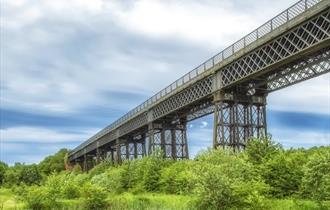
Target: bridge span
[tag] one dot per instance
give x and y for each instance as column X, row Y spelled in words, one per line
column 292, row 47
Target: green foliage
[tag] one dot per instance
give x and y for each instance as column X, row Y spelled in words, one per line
column 152, row 171
column 216, row 179
column 100, row 168
column 12, row 176
column 93, row 197
column 39, row 198
column 316, row 180
column 144, row 201
column 22, row 174
column 227, row 181
column 260, row 150
column 30, row 174
column 3, row 169
column 111, row 180
column 178, row 178
column 54, row 163
column 284, row 172
column 77, row 169
column 64, row 185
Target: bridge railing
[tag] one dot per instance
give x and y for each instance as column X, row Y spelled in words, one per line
column 285, row 16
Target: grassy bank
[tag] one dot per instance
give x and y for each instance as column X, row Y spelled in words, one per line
column 154, row 201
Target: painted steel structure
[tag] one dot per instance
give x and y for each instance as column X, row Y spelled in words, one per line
column 292, row 47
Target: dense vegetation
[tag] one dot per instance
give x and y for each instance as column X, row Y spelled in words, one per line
column 264, row 176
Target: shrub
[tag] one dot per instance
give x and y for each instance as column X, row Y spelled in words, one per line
column 110, row 181
column 70, row 187
column 260, row 150
column 93, row 197
column 316, row 179
column 284, row 172
column 77, row 169
column 39, row 198
column 226, row 180
column 100, row 168
column 53, row 163
column 152, row 173
column 178, row 178
column 30, row 174
column 3, row 169
column 216, row 190
column 54, row 184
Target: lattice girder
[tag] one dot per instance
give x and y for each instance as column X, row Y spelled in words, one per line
column 295, row 41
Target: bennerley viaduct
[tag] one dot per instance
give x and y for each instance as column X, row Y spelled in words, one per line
column 292, row 47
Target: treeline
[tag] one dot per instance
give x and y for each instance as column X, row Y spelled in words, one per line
column 33, row 174
column 215, row 179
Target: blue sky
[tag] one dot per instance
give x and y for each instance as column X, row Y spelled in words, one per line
column 70, row 68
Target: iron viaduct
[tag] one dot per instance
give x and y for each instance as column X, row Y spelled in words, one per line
column 292, row 47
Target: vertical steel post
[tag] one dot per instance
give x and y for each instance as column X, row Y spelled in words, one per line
column 118, row 159
column 173, row 144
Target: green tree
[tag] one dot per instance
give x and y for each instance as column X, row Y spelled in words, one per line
column 227, row 181
column 54, row 163
column 22, row 174
column 30, row 174
column 316, row 179
column 3, row 169
column 284, row 172
column 260, row 150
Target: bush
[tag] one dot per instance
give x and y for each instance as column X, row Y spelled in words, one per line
column 178, row 178
column 226, row 180
column 77, row 169
column 110, row 181
column 70, row 188
column 100, row 168
column 260, row 150
column 93, row 197
column 64, row 185
column 22, row 174
column 216, row 190
column 284, row 172
column 316, row 179
column 39, row 198
column 3, row 169
column 54, row 163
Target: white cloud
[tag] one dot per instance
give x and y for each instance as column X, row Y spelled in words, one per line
column 209, row 24
column 293, row 138
column 204, row 124
column 42, row 135
column 60, row 56
column 308, row 96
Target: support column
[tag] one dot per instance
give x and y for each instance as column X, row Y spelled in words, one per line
column 118, row 152
column 98, row 154
column 135, row 150
column 85, row 163
column 238, row 118
column 154, row 135
column 171, row 139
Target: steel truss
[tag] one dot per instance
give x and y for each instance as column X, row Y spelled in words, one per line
column 238, row 118
column 170, row 139
column 288, row 45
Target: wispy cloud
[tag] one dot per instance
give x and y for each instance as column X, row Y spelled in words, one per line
column 42, row 135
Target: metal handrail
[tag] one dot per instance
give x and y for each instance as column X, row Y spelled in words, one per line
column 285, row 16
